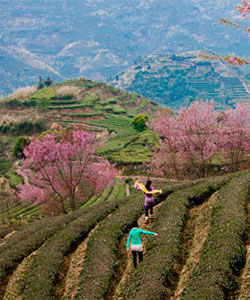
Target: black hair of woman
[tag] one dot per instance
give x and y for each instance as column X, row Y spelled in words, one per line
column 148, row 185
column 134, row 224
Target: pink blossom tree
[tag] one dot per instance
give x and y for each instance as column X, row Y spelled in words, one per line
column 64, row 169
column 189, row 139
column 235, row 133
column 167, row 158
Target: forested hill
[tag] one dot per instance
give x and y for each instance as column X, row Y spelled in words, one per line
column 177, row 80
column 96, row 39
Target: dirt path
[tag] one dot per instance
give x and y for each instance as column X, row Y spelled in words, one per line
column 244, row 280
column 125, row 268
column 13, row 288
column 194, row 236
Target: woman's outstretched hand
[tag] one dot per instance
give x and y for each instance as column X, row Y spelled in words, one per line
column 156, row 234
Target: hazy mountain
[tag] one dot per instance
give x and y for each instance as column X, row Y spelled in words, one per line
column 96, row 39
column 177, row 80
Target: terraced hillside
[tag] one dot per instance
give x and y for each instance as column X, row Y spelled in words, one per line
column 177, row 80
column 91, row 105
column 200, row 252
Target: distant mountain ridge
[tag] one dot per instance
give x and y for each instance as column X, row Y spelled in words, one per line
column 97, row 39
column 177, row 80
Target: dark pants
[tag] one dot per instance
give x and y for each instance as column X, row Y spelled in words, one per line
column 147, row 209
column 140, row 254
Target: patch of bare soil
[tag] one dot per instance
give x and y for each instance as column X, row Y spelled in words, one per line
column 194, row 236
column 125, row 265
column 244, row 280
column 13, row 288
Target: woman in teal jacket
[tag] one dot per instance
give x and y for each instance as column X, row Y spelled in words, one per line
column 136, row 244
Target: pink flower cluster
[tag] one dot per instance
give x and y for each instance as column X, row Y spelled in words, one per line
column 244, row 9
column 236, row 61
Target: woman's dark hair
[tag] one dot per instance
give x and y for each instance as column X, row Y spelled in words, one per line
column 148, row 185
column 134, row 224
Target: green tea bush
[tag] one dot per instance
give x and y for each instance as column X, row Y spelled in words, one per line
column 23, row 127
column 71, row 106
column 63, row 102
column 84, row 115
column 28, row 239
column 101, row 254
column 222, row 255
column 100, row 263
column 118, row 109
column 153, row 272
column 45, row 93
column 106, row 101
column 39, row 280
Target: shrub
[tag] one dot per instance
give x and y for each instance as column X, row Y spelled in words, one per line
column 139, row 122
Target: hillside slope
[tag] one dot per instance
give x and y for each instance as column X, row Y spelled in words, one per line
column 176, row 80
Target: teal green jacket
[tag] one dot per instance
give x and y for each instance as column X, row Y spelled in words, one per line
column 135, row 235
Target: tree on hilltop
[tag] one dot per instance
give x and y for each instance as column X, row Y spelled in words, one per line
column 64, row 169
column 43, row 83
column 48, row 81
column 40, row 83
